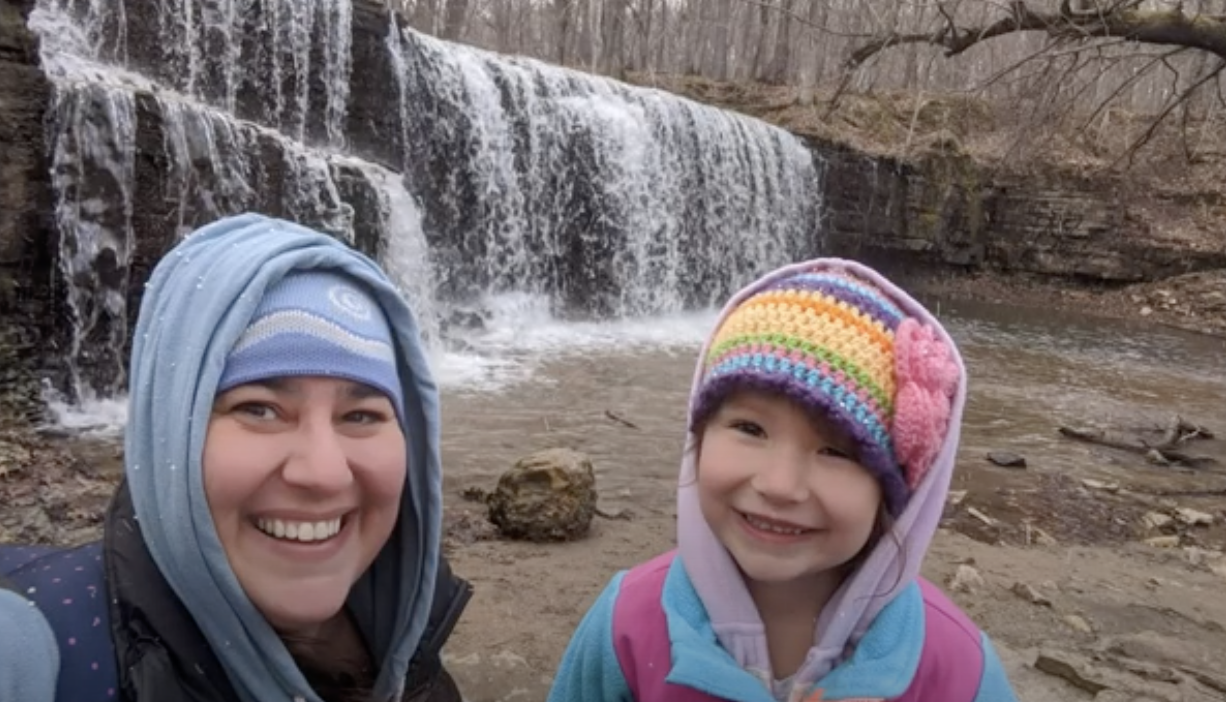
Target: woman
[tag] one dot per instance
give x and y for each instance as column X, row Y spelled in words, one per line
column 277, row 532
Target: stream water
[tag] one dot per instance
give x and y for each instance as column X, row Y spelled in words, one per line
column 527, row 381
column 1031, row 371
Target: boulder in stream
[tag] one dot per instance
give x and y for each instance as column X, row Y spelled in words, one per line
column 546, row 496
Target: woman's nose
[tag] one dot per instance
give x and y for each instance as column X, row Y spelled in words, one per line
column 318, row 459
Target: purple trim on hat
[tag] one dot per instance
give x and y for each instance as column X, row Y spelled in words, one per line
column 878, row 459
column 761, row 347
column 860, row 296
column 818, row 377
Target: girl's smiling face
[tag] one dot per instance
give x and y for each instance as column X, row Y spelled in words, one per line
column 782, row 491
column 304, row 477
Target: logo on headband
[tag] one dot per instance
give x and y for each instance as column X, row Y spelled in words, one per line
column 350, row 301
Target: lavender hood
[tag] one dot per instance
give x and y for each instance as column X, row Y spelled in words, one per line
column 881, row 577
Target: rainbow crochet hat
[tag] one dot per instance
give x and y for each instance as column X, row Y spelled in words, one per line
column 838, row 346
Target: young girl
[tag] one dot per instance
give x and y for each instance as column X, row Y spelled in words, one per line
column 277, row 534
column 824, row 422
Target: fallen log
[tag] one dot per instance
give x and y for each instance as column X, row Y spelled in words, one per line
column 1123, row 443
column 620, row 420
column 1204, row 492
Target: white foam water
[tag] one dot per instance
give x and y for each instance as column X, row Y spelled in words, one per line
column 90, row 416
column 519, row 333
column 517, row 337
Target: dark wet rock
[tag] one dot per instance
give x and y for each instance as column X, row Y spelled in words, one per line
column 547, row 496
column 27, row 276
column 1030, row 594
column 464, row 320
column 1074, row 671
column 464, row 528
column 1004, row 459
column 942, row 210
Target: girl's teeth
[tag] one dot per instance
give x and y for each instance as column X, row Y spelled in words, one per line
column 765, row 526
column 300, row 531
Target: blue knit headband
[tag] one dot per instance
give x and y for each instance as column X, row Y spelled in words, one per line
column 316, row 323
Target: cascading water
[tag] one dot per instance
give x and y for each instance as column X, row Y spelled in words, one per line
column 477, row 179
column 93, row 172
column 180, row 108
column 614, row 199
column 406, row 253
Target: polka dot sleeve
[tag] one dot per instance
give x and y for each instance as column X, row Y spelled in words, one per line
column 29, row 656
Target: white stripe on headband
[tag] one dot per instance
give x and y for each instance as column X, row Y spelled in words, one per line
column 300, row 322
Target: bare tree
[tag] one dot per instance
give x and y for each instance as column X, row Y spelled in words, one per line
column 1091, row 54
column 777, row 70
column 612, row 37
column 563, row 17
column 456, row 16
column 1170, row 26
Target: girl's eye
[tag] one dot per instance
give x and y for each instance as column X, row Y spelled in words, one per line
column 835, row 452
column 749, row 428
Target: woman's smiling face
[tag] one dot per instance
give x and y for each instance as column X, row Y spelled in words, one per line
column 304, row 477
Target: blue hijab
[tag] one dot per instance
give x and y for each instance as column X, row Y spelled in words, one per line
column 198, row 302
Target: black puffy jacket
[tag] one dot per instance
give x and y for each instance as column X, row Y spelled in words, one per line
column 159, row 652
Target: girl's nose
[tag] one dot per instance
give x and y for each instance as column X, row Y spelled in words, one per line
column 318, row 460
column 781, row 477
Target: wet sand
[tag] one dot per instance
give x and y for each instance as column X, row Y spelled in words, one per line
column 1155, row 618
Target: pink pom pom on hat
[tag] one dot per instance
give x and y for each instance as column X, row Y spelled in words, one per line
column 838, row 346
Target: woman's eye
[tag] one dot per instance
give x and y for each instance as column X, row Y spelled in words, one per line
column 256, row 410
column 366, row 417
column 835, row 452
column 749, row 428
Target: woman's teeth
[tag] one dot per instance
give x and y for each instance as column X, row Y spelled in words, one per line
column 300, row 531
column 772, row 526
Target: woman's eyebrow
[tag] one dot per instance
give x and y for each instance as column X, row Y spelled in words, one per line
column 285, row 385
column 362, row 391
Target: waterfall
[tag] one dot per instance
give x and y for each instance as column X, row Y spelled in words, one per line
column 92, row 174
column 215, row 163
column 625, row 200
column 468, row 174
column 406, row 253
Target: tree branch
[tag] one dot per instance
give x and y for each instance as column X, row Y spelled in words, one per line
column 1167, row 26
column 802, row 19
column 1177, row 101
column 1128, row 82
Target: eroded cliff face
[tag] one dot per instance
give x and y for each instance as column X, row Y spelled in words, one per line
column 943, row 211
column 26, row 269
